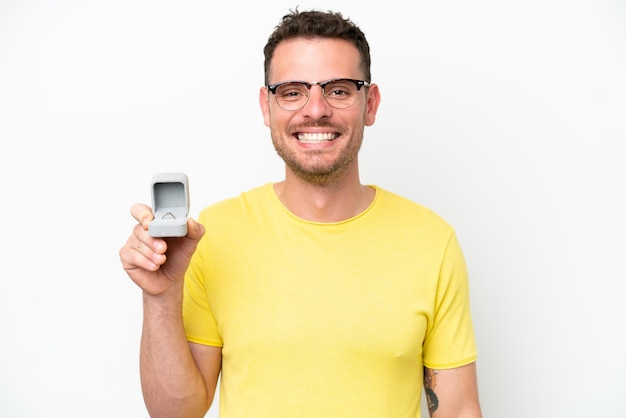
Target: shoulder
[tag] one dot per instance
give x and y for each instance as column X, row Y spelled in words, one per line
column 395, row 208
column 236, row 206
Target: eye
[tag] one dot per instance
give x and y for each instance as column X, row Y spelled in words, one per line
column 339, row 89
column 291, row 91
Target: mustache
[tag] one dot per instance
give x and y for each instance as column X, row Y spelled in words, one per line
column 314, row 124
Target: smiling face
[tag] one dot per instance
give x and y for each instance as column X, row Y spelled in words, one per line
column 318, row 143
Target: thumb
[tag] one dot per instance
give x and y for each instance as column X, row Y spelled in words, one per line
column 195, row 230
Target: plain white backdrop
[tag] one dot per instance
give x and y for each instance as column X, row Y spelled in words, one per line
column 506, row 118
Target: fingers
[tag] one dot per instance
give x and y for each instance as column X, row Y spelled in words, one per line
column 143, row 251
column 142, row 213
column 149, row 250
column 146, row 251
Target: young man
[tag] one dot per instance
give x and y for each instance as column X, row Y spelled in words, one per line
column 317, row 296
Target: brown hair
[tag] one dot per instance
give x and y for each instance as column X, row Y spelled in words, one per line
column 317, row 24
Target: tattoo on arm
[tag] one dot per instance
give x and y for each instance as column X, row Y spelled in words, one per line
column 430, row 381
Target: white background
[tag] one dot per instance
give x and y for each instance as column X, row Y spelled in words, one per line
column 507, row 118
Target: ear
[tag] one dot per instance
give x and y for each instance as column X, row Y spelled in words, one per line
column 264, row 103
column 373, row 100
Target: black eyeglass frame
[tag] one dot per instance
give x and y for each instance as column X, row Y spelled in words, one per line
column 309, row 84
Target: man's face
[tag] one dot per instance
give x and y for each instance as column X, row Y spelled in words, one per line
column 319, row 143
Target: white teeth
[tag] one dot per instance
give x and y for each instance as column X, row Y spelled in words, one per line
column 316, row 137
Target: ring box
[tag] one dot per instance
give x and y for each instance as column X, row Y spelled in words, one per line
column 170, row 205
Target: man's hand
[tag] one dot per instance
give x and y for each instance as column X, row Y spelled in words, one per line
column 158, row 265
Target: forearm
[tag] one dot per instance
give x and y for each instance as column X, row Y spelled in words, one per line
column 468, row 412
column 171, row 382
column 452, row 393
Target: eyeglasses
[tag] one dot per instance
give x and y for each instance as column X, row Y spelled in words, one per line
column 340, row 93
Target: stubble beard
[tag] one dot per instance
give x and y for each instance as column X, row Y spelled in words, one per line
column 313, row 167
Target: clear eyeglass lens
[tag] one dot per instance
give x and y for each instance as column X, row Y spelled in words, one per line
column 339, row 94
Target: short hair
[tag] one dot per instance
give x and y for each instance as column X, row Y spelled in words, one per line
column 318, row 24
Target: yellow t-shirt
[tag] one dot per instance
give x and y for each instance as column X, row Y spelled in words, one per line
column 327, row 319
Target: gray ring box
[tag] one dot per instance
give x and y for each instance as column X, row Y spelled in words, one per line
column 170, row 205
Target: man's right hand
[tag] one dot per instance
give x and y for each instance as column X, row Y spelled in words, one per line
column 158, row 265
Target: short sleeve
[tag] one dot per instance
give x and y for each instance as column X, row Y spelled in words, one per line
column 200, row 324
column 450, row 338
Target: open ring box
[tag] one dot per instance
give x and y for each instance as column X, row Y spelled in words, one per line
column 170, row 205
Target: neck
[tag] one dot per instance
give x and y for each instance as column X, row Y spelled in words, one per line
column 333, row 202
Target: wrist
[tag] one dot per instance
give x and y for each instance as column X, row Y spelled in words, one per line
column 169, row 301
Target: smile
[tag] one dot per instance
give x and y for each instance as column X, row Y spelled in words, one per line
column 317, row 137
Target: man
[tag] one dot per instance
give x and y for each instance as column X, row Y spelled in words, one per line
column 316, row 296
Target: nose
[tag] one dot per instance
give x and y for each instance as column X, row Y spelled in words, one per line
column 316, row 107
